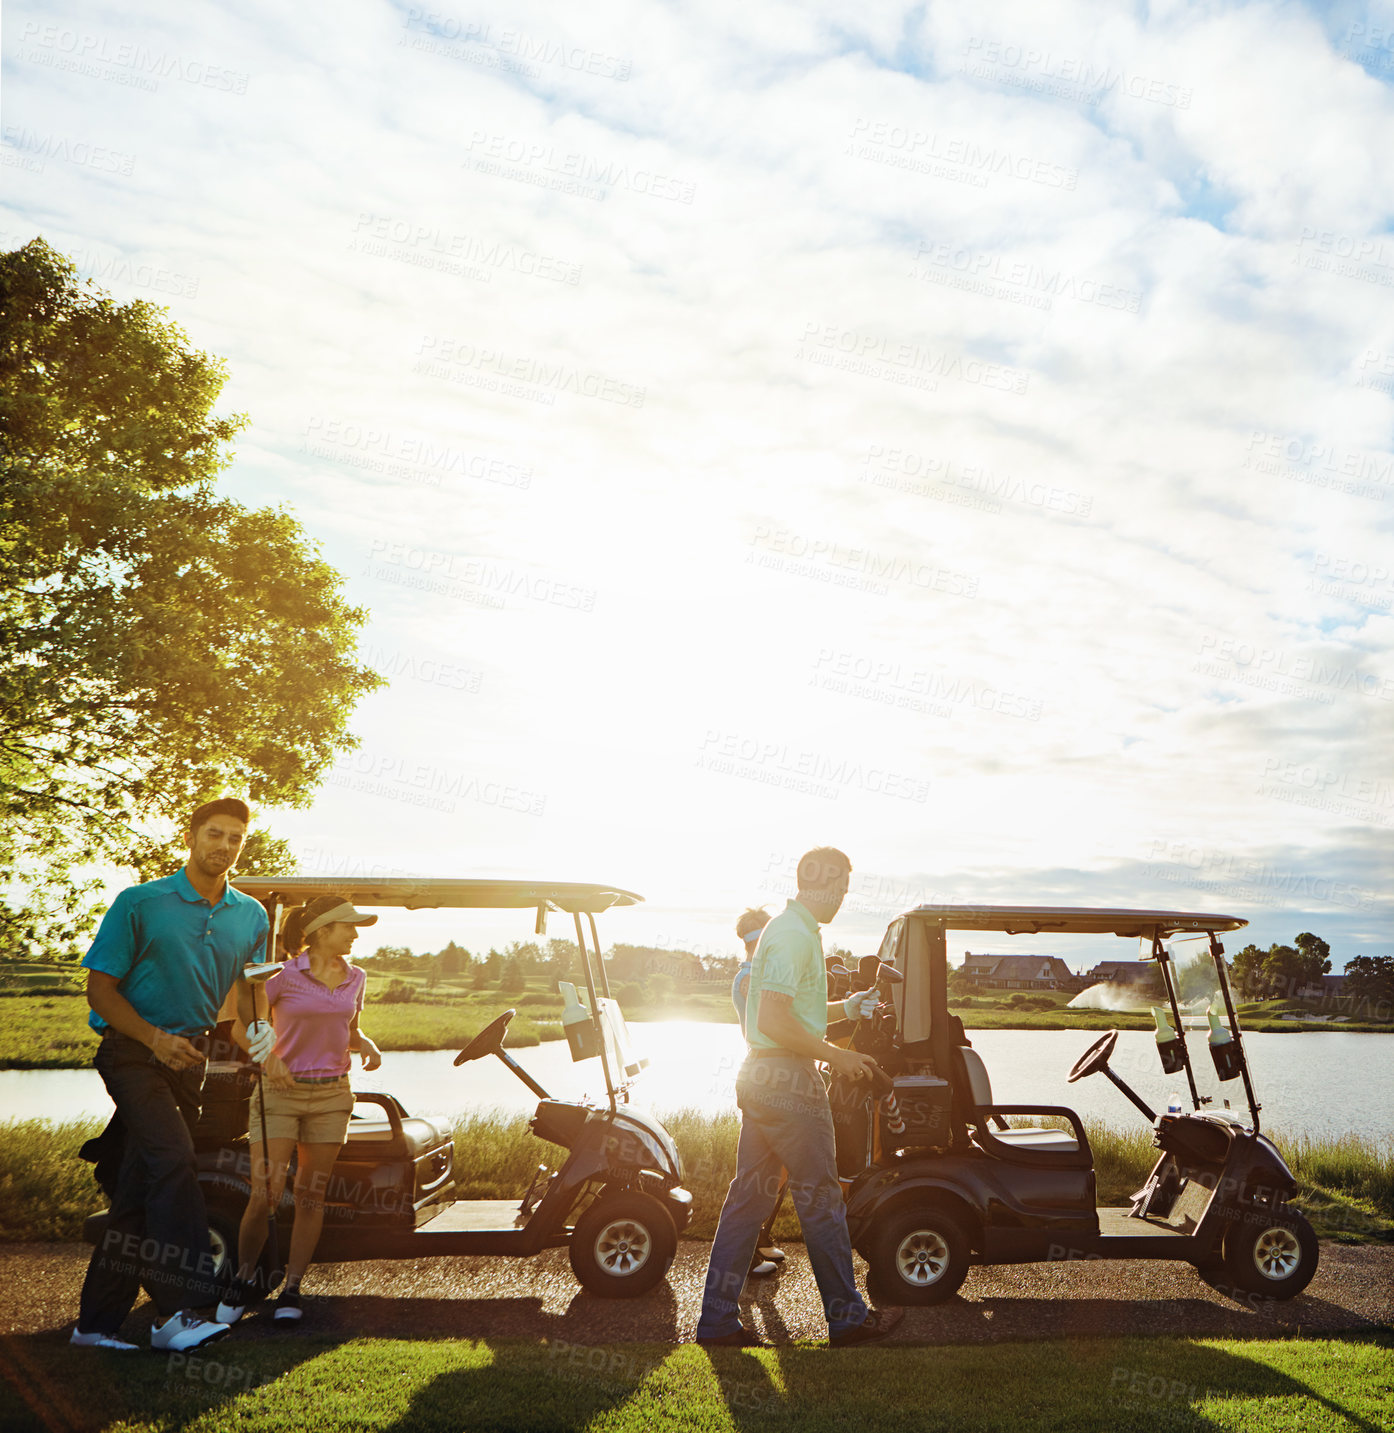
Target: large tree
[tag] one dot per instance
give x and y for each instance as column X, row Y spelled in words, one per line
column 1282, row 969
column 1370, row 980
column 159, row 643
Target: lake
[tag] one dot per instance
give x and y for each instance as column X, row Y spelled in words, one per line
column 1321, row 1084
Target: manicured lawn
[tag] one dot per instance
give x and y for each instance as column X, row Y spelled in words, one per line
column 444, row 1385
column 50, row 1031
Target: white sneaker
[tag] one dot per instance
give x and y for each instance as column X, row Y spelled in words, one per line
column 181, row 1332
column 234, row 1305
column 101, row 1340
column 765, row 1266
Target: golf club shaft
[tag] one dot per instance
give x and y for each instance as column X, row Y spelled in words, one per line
column 273, row 1243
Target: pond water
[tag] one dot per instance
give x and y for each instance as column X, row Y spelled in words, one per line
column 1321, row 1084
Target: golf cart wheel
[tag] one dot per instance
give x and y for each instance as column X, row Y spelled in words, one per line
column 917, row 1256
column 623, row 1245
column 223, row 1229
column 1274, row 1257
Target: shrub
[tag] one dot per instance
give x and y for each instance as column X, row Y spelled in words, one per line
column 398, row 992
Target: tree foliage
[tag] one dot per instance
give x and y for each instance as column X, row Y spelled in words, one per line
column 159, row 643
column 1370, row 980
column 1282, row 969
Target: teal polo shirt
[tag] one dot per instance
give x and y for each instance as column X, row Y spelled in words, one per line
column 789, row 960
column 175, row 954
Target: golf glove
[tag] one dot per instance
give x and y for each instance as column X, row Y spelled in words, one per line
column 862, row 1005
column 261, row 1040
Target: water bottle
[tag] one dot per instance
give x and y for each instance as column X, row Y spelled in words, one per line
column 1174, row 1103
column 1223, row 1051
column 1169, row 1046
column 576, row 1023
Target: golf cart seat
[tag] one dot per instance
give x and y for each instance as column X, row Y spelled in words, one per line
column 396, row 1132
column 1066, row 1148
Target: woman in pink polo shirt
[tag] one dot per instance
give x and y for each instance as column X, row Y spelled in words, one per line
column 315, row 1000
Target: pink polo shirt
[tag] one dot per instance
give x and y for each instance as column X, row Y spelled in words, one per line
column 312, row 1022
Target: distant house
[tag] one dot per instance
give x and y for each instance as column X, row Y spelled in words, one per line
column 1125, row 972
column 1328, row 988
column 1019, row 972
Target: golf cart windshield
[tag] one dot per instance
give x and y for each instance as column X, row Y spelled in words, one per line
column 916, row 944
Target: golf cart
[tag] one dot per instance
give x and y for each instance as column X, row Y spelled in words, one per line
column 616, row 1202
column 936, row 1179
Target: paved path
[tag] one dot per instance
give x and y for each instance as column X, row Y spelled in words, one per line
column 539, row 1298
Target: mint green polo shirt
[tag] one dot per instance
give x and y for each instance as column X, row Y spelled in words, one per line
column 789, row 960
column 174, row 954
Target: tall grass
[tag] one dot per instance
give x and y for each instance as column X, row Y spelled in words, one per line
column 46, row 1191
column 1345, row 1186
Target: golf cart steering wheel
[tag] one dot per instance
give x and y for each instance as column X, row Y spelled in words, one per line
column 1094, row 1058
column 489, row 1041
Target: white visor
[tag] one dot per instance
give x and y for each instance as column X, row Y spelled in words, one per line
column 344, row 912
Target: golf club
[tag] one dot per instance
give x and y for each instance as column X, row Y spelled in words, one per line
column 256, row 975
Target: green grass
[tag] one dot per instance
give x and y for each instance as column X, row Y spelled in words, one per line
column 443, row 1385
column 451, row 1027
column 47, row 1033
column 46, row 1191
column 1346, row 1186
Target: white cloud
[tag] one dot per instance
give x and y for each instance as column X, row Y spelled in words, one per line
column 964, row 440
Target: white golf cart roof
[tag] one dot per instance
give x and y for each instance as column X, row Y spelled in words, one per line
column 1075, row 920
column 421, row 893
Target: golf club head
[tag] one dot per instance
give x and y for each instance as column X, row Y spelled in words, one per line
column 871, row 971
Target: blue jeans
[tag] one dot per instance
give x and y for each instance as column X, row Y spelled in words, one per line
column 157, row 1228
column 785, row 1124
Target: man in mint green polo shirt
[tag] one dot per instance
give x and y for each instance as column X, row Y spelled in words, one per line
column 164, row 959
column 786, row 1123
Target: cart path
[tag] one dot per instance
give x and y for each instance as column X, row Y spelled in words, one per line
column 494, row 1298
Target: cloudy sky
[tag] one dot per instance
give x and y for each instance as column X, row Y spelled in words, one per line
column 959, row 434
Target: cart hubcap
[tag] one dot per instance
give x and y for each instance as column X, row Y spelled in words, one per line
column 1277, row 1253
column 921, row 1258
column 622, row 1246
column 219, row 1248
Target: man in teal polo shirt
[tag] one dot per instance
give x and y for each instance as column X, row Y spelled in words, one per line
column 164, row 959
column 786, row 1122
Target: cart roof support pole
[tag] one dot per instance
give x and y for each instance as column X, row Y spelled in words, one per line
column 1217, row 954
column 599, row 959
column 596, row 1019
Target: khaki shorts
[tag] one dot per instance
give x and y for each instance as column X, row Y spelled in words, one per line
column 309, row 1113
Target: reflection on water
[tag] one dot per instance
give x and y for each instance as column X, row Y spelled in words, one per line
column 1319, row 1084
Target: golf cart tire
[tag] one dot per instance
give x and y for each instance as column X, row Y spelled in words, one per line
column 223, row 1229
column 623, row 1245
column 1274, row 1258
column 917, row 1256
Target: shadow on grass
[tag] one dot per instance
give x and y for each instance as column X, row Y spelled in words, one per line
column 49, row 1385
column 1085, row 1386
column 45, row 1384
column 425, row 1384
